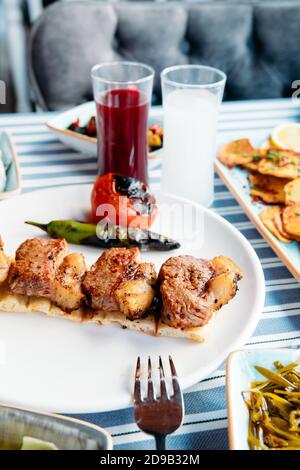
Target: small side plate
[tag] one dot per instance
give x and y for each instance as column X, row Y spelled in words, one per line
column 10, row 160
column 59, row 125
column 239, row 375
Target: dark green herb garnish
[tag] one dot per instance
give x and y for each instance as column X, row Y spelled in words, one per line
column 274, row 156
column 274, row 153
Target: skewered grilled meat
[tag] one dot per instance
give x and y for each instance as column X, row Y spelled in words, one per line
column 119, row 281
column 119, row 287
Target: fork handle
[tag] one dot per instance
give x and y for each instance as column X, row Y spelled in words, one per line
column 160, row 440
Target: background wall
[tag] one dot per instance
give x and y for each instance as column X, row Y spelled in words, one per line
column 16, row 17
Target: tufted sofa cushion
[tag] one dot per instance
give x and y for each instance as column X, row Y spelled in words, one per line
column 255, row 43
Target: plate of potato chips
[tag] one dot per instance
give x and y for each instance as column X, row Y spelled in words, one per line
column 265, row 180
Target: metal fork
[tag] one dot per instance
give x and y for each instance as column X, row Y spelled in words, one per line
column 158, row 416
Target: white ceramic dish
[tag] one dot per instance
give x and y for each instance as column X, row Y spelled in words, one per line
column 10, row 166
column 59, row 124
column 239, row 375
column 57, row 365
column 82, row 143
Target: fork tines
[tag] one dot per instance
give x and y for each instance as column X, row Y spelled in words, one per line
column 163, row 388
column 158, row 415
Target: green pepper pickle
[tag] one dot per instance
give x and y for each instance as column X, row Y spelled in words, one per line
column 274, row 409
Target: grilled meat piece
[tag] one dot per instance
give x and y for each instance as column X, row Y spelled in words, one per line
column 183, row 280
column 43, row 269
column 118, row 281
column 33, row 272
column 193, row 289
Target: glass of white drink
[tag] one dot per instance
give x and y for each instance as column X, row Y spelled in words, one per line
column 191, row 98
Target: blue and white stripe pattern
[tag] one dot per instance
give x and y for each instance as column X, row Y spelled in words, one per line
column 45, row 162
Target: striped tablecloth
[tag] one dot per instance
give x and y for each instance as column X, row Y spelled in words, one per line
column 45, row 162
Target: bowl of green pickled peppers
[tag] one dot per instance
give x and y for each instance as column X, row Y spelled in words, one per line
column 274, row 408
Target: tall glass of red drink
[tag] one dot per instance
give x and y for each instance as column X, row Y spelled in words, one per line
column 122, row 92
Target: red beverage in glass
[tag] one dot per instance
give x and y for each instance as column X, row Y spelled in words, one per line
column 122, row 116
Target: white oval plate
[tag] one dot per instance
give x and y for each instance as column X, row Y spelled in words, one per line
column 56, row 365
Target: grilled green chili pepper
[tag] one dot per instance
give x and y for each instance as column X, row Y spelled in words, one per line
column 106, row 236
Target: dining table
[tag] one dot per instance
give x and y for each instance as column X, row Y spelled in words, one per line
column 46, row 163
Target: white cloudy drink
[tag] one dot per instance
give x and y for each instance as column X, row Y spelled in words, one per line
column 189, row 140
column 190, row 121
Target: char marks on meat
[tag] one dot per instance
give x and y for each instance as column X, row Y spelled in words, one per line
column 33, row 272
column 119, row 281
column 183, row 280
column 191, row 289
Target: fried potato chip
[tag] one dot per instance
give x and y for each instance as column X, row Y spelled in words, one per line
column 271, row 218
column 269, row 188
column 251, row 166
column 280, row 163
column 256, row 159
column 291, row 220
column 292, row 192
column 236, row 152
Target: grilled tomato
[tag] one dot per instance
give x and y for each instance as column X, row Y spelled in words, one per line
column 123, row 201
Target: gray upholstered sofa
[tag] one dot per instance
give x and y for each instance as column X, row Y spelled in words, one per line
column 257, row 43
